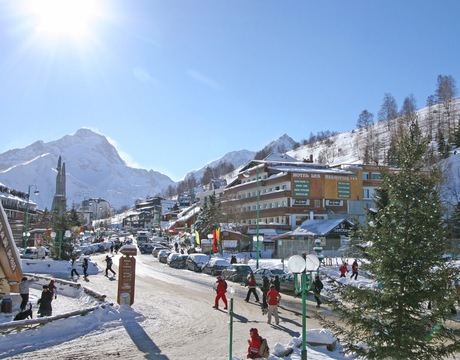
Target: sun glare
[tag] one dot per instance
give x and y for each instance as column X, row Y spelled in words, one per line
column 64, row 17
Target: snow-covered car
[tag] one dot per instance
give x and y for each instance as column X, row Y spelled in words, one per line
column 195, row 262
column 215, row 266
column 33, row 252
column 177, row 261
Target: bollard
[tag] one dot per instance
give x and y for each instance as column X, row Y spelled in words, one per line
column 7, row 306
column 125, row 299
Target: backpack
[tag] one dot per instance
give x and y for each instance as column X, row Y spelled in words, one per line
column 264, row 350
column 225, row 285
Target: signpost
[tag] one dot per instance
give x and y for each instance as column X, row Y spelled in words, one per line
column 127, row 275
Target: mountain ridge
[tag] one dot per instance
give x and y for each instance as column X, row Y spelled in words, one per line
column 94, row 169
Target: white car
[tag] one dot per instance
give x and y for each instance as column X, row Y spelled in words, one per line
column 33, row 252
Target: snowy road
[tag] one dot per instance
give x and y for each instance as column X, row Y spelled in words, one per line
column 172, row 318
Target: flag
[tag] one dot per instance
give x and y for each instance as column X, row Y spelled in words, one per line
column 197, row 238
column 218, row 235
column 214, row 242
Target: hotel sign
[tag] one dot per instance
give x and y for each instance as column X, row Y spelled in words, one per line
column 301, row 187
column 343, row 189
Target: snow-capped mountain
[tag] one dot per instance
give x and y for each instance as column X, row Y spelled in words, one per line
column 93, row 168
column 241, row 157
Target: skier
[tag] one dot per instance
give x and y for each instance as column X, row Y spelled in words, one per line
column 108, row 268
column 252, row 288
column 354, row 269
column 221, row 289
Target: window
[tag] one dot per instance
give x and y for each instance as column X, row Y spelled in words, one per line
column 365, row 176
column 366, row 194
column 375, row 176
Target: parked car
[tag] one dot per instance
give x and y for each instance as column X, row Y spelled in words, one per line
column 215, row 266
column 35, row 253
column 195, row 262
column 146, row 248
column 269, row 273
column 177, row 261
column 287, row 284
column 157, row 248
column 237, row 272
column 163, row 255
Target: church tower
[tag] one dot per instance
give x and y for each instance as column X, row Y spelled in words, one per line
column 59, row 200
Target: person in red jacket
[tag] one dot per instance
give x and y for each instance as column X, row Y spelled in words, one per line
column 221, row 289
column 273, row 298
column 344, row 269
column 254, row 344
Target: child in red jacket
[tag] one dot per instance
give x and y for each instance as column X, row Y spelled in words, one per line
column 254, row 344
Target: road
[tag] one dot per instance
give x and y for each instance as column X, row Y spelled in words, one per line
column 172, row 318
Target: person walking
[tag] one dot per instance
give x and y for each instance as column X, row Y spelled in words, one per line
column 317, row 287
column 74, row 269
column 265, row 287
column 354, row 269
column 45, row 308
column 221, row 289
column 252, row 287
column 53, row 289
column 254, row 344
column 85, row 267
column 109, row 263
column 24, row 289
column 343, row 269
column 273, row 298
column 277, row 284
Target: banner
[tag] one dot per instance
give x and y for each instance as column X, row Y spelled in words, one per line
column 214, row 242
column 197, row 238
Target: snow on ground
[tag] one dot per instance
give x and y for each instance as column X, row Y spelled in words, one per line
column 71, row 298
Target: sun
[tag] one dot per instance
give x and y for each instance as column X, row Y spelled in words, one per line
column 70, row 18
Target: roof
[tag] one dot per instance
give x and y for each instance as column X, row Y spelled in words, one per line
column 315, row 228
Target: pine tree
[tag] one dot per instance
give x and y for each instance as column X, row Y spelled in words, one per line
column 404, row 243
column 209, row 218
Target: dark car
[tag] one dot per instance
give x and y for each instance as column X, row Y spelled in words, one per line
column 146, row 248
column 237, row 272
column 195, row 262
column 215, row 266
column 163, row 256
column 177, row 261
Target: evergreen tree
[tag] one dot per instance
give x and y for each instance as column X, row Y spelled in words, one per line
column 209, row 218
column 62, row 247
column 405, row 242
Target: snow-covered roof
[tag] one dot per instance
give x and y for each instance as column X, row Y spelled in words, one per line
column 315, row 228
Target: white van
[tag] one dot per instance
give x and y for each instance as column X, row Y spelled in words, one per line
column 33, row 252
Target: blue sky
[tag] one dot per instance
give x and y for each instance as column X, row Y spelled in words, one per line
column 177, row 84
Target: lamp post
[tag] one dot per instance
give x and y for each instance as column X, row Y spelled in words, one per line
column 25, row 234
column 230, row 313
column 67, row 235
column 257, row 238
column 300, row 265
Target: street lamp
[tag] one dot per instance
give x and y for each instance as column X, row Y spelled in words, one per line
column 67, row 235
column 25, row 234
column 300, row 265
column 230, row 321
column 257, row 237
